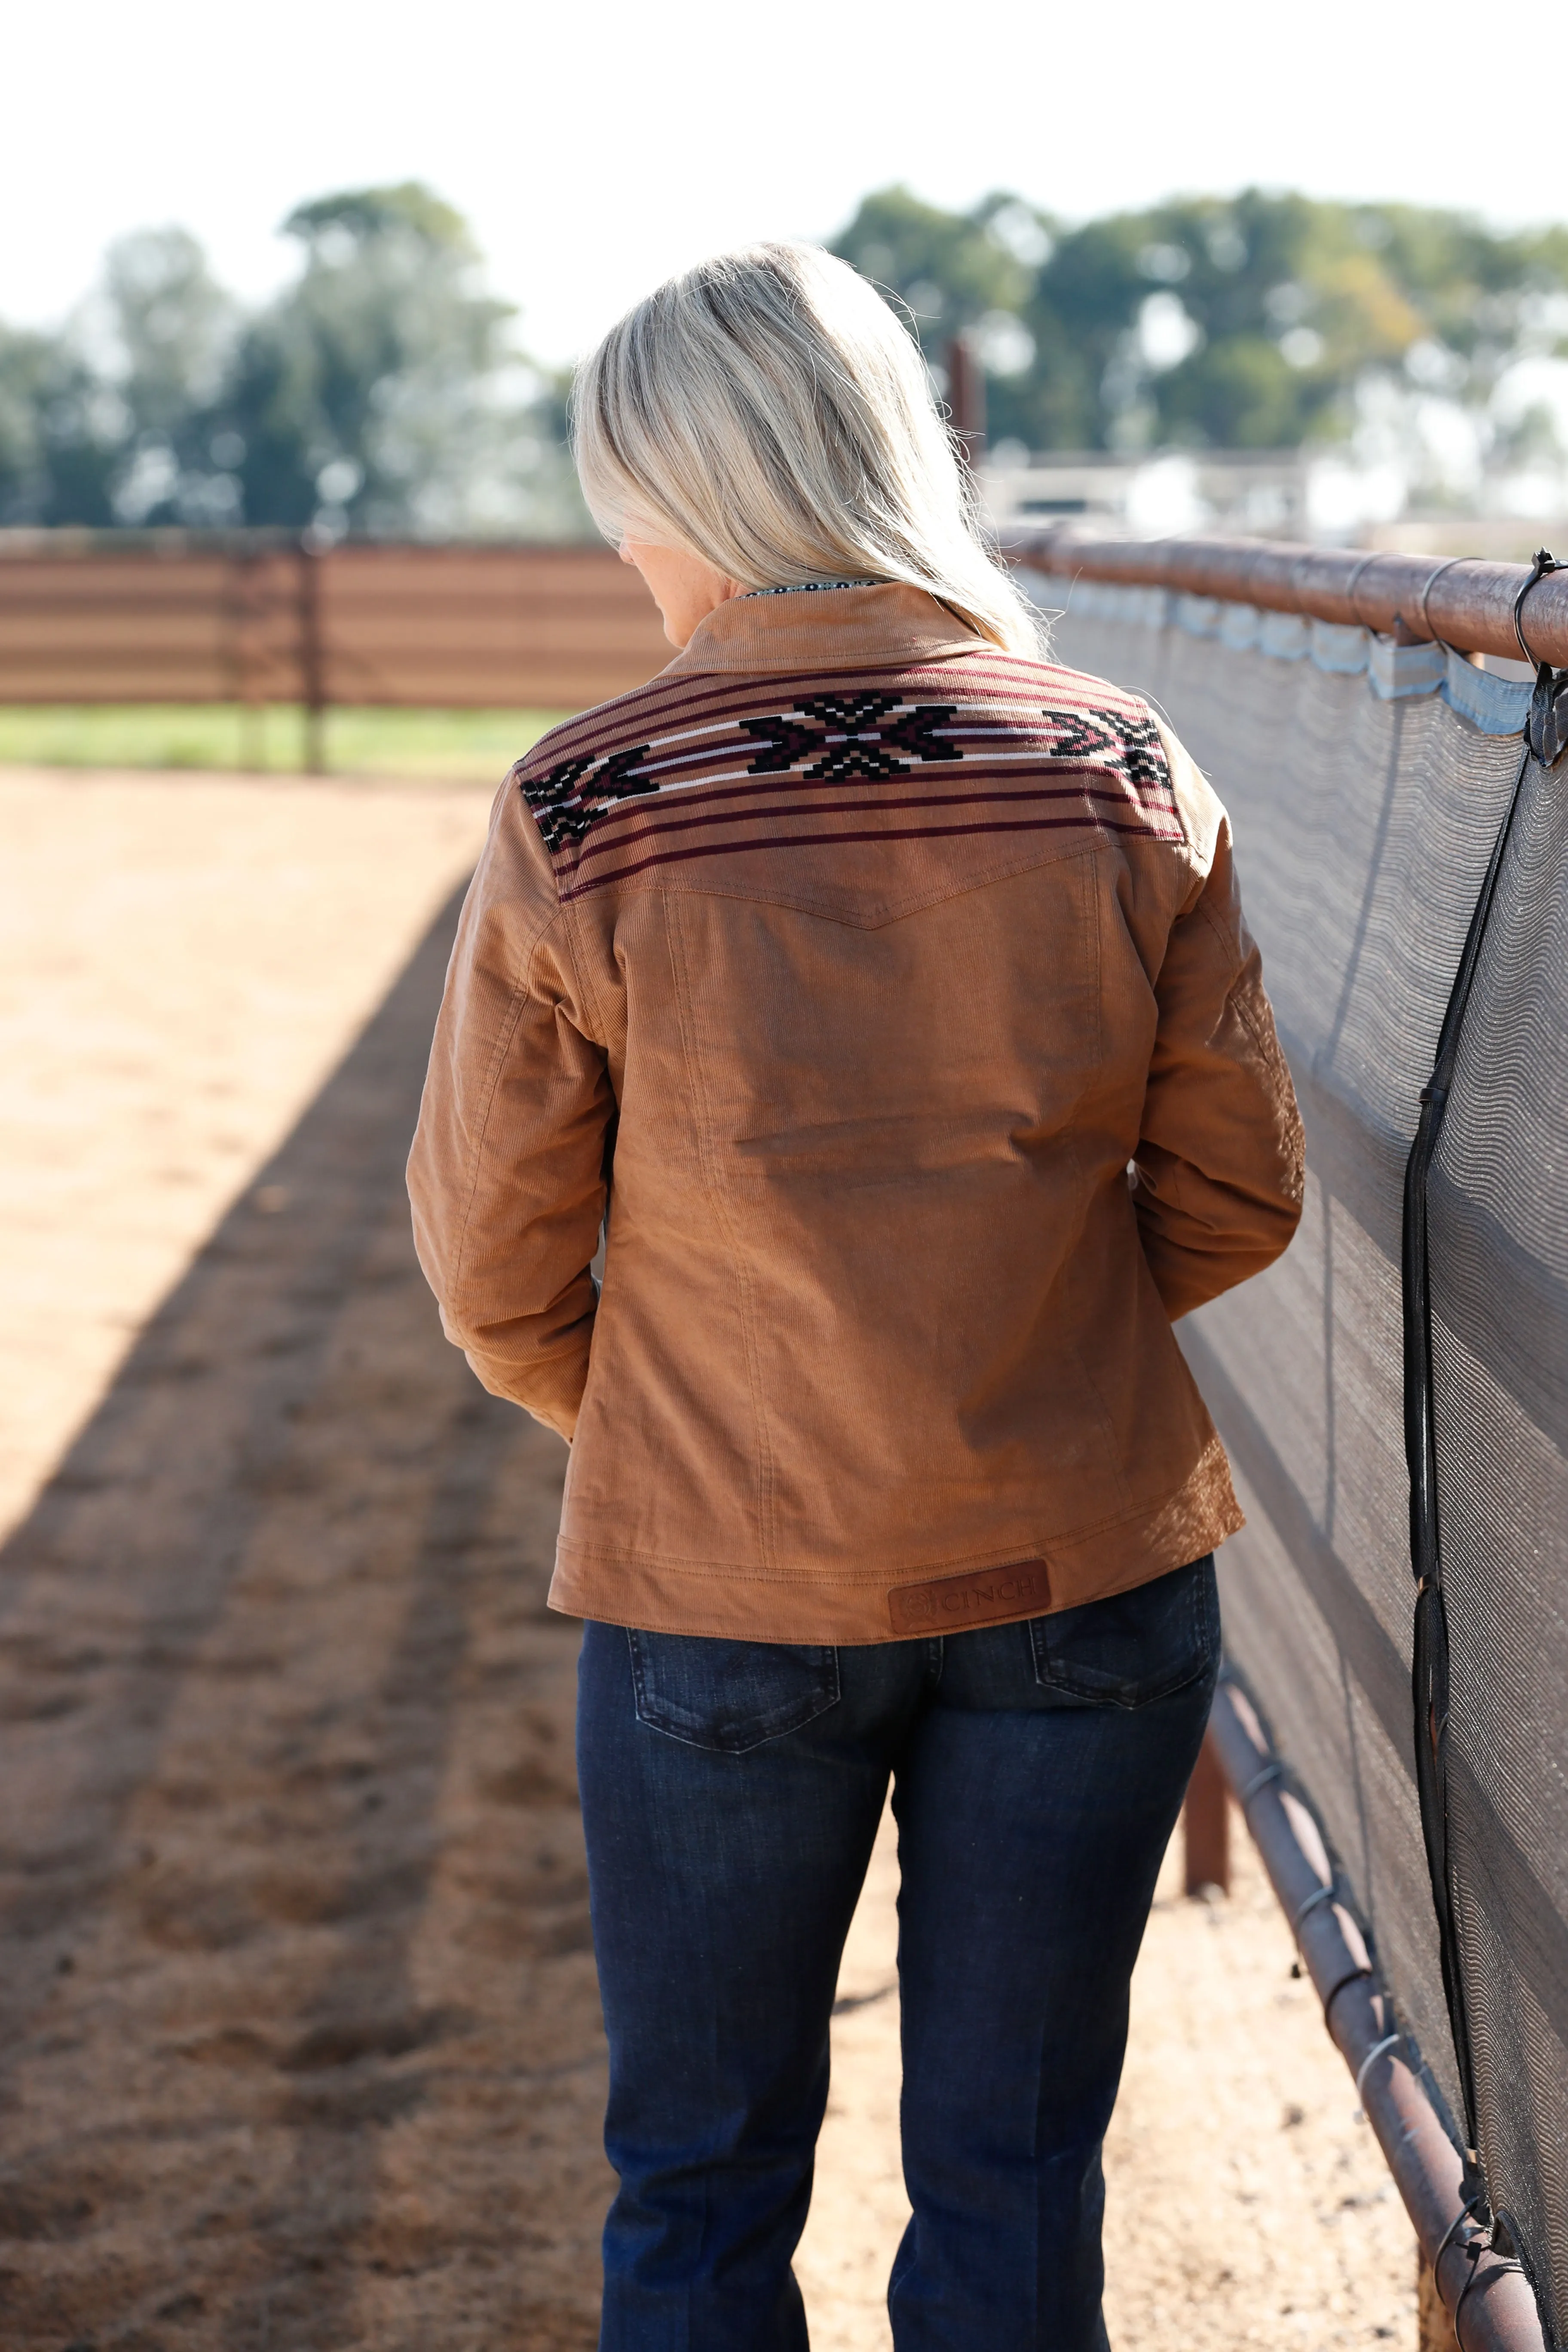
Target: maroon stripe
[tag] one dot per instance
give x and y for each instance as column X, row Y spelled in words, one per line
column 757, row 695
column 904, row 833
column 707, row 690
column 596, row 848
column 940, row 771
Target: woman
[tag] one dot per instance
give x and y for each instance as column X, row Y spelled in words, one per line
column 882, row 991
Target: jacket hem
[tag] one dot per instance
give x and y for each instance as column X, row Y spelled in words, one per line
column 749, row 1604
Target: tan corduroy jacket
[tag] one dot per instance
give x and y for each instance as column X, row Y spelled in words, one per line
column 843, row 969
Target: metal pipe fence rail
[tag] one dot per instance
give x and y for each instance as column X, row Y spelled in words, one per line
column 1487, row 2294
column 1464, row 601
column 1401, row 815
column 267, row 617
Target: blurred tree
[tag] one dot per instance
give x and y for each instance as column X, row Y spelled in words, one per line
column 169, row 333
column 174, row 323
column 105, row 422
column 61, row 433
column 356, row 396
column 380, row 393
column 1247, row 322
column 973, row 272
column 950, row 269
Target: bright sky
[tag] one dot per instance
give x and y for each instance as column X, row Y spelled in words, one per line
column 597, row 147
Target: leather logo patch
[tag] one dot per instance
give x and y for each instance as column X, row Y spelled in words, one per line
column 1021, row 1589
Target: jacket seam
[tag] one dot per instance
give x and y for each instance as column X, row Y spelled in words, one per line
column 721, row 1211
column 1091, row 885
column 625, row 1555
column 1244, row 1015
column 899, row 912
column 1243, row 1011
column 573, row 935
column 1089, row 879
column 507, row 1032
column 555, row 1356
column 1106, row 1426
column 1233, row 955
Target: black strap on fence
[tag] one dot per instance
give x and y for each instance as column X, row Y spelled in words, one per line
column 1430, row 1666
column 1546, row 728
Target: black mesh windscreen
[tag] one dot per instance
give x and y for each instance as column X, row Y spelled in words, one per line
column 1497, row 1228
column 1364, row 830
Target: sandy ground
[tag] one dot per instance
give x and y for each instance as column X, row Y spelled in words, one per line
column 300, row 2050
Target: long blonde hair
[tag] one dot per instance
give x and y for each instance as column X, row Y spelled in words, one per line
column 767, row 412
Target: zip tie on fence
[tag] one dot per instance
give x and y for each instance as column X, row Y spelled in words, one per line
column 1318, row 1894
column 1431, row 582
column 1461, row 2217
column 1351, row 586
column 1380, row 2051
column 1545, row 561
column 1350, row 1977
column 1473, row 2250
column 1259, row 1781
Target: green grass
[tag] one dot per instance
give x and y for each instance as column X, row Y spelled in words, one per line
column 447, row 746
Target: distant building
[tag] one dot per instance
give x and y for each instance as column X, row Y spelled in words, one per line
column 1321, row 494
column 1259, row 492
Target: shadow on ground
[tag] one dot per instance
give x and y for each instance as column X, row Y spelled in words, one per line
column 302, row 2048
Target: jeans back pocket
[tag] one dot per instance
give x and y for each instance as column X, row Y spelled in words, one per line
column 1132, row 1647
column 729, row 1695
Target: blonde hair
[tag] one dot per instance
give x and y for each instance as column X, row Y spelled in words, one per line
column 767, row 410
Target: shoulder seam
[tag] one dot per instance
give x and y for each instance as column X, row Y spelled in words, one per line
column 505, row 1034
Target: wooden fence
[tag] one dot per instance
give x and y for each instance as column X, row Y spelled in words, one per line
column 175, row 617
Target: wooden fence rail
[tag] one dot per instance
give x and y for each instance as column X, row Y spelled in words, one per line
column 263, row 617
column 171, row 617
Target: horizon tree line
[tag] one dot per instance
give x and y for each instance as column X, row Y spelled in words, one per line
column 384, row 392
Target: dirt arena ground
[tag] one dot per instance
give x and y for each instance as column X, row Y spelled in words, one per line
column 302, row 2050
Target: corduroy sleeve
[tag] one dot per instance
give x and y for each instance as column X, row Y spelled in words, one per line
column 1219, row 1164
column 507, row 1174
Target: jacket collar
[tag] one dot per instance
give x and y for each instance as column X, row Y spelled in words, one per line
column 826, row 629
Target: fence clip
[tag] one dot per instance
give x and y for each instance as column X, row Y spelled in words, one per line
column 1546, row 727
column 1320, row 1894
column 1546, row 730
column 1379, row 2050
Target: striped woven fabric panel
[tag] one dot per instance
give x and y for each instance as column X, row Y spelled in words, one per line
column 702, row 766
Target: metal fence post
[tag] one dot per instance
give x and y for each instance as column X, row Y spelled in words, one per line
column 966, row 398
column 245, row 593
column 312, row 665
column 1205, row 1824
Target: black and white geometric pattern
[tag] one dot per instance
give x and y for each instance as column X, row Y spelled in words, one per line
column 831, row 738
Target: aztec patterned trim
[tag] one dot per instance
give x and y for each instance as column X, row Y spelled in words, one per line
column 746, row 765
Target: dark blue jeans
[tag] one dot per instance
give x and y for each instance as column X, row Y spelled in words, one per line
column 730, row 1792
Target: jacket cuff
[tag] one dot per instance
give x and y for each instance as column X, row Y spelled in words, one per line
column 550, row 1388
